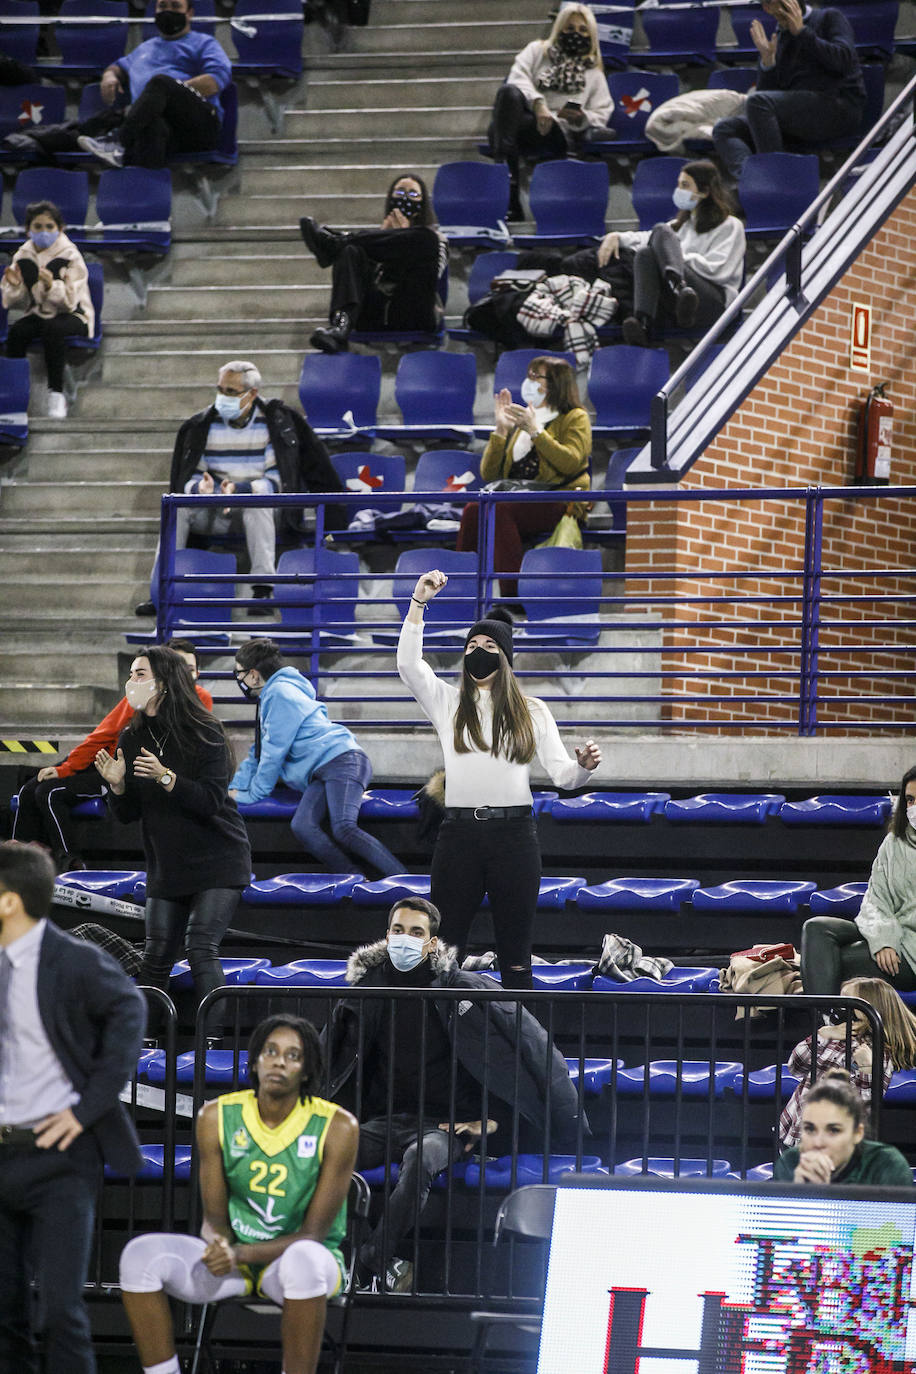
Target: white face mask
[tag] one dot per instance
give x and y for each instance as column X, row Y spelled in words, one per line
column 405, row 951
column 532, row 394
column 685, row 200
column 911, row 815
column 140, row 694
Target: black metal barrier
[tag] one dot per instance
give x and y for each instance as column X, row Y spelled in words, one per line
column 490, row 1058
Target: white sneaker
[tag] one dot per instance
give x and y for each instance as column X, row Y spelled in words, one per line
column 108, row 150
column 57, row 405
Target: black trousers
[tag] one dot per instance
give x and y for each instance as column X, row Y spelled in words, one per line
column 53, row 334
column 503, row 860
column 44, row 809
column 47, row 1218
column 833, row 951
column 168, row 118
column 198, row 922
column 387, row 279
column 513, row 131
column 652, row 294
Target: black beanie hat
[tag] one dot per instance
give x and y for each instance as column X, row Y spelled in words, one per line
column 498, row 626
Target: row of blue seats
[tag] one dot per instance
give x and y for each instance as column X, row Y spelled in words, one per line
column 133, row 207
column 745, row 896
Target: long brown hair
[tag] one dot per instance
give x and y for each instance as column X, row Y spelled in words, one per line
column 899, row 1022
column 180, row 712
column 716, row 205
column 513, row 728
column 898, row 822
column 562, row 391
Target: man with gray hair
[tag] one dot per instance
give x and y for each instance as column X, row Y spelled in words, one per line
column 242, row 444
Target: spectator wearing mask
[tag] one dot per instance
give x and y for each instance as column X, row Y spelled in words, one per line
column 242, row 444
column 46, row 801
column 385, row 278
column 48, row 279
column 555, row 93
column 173, row 81
column 809, row 88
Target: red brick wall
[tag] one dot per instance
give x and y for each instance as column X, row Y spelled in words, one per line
column 797, row 429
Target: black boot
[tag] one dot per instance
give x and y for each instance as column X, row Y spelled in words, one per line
column 686, row 304
column 324, row 243
column 636, row 330
column 334, row 338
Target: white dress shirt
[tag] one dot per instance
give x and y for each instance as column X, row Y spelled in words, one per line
column 33, row 1083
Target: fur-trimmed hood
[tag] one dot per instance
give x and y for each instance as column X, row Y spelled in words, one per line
column 444, row 960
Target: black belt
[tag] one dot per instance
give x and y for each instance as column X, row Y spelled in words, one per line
column 17, row 1138
column 487, row 813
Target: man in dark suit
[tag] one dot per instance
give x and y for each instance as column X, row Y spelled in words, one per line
column 71, row 1026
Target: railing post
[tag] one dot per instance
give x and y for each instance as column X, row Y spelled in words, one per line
column 811, row 613
column 166, row 567
column 794, row 272
column 317, row 607
column 658, row 452
column 486, row 532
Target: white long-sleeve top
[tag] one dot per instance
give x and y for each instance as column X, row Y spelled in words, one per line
column 595, row 98
column 69, row 289
column 717, row 255
column 476, row 778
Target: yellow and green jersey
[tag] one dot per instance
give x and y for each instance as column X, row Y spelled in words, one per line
column 272, row 1171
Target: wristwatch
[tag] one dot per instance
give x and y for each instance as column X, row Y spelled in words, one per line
column 166, row 779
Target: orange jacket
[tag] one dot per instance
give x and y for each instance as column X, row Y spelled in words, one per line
column 105, row 736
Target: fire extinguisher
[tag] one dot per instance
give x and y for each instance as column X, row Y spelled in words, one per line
column 873, row 448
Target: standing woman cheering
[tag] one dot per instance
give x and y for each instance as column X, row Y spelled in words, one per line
column 490, row 733
column 171, row 772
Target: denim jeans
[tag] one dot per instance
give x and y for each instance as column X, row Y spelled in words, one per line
column 440, row 1148
column 336, row 790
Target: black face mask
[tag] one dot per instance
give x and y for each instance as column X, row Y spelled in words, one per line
column 250, row 692
column 410, row 209
column 481, row 663
column 574, row 44
column 170, row 22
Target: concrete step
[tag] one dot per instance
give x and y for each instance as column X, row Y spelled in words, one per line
column 237, row 338
column 398, row 150
column 68, row 704
column 292, row 269
column 286, row 206
column 327, row 179
column 490, row 62
column 42, row 524
column 380, row 93
column 53, row 663
column 278, row 367
column 28, row 500
column 423, row 13
column 165, row 402
column 104, row 596
column 239, row 303
column 107, row 466
column 65, row 561
column 445, row 37
column 469, row 119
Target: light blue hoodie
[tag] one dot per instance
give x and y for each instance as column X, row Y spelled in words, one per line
column 296, row 738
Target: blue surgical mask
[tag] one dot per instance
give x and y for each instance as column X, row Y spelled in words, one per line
column 43, row 238
column 532, row 394
column 405, row 951
column 685, row 200
column 229, row 407
column 911, row 816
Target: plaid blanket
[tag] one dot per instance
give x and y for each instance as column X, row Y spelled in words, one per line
column 573, row 304
column 622, row 959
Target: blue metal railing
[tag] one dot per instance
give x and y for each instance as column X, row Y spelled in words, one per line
column 800, row 644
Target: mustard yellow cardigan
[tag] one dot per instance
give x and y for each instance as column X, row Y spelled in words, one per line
column 563, row 446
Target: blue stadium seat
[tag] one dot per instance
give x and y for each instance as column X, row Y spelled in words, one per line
column 844, row 900
column 513, row 364
column 610, row 807
column 327, row 601
column 219, row 1067
column 553, row 893
column 696, row 1076
column 226, row 152
column 562, row 977
column 279, row 806
column 677, row 980
column 97, row 293
column 198, row 561
column 457, row 1170
column 20, row 41
column 455, row 608
column 837, row 810
column 340, row 392
column 69, row 191
column 370, row 472
column 126, row 884
column 153, row 1163
column 679, row 35
column 754, row 895
column 543, row 801
column 653, row 186
column 484, row 268
column 497, row 1173
column 622, row 381
column 560, row 590
column 873, row 76
column 305, row 973
column 671, row 1168
column 742, row 16
column 388, row 804
column 471, row 200
column 87, row 49
column 761, row 1083
column 24, row 109
column 449, row 470
column 301, row 889
column 636, row 95
column 725, row 808
column 597, row 1075
column 134, row 206
column 637, row 894
column 901, row 1091
column 376, row 1177
column 761, row 1173
column 775, row 190
column 275, row 47
column 383, row 892
column 568, row 201
column 615, row 31
column 435, row 392
column 14, row 401
column 89, row 809
column 237, row 972
column 873, row 24
column 736, row 78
